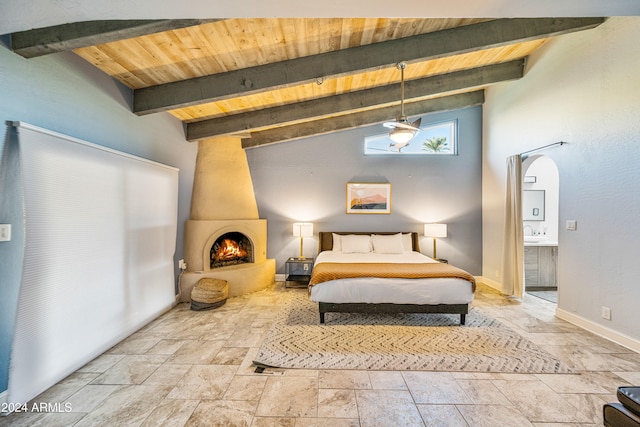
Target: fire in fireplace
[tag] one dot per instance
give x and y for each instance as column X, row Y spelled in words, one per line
column 231, row 249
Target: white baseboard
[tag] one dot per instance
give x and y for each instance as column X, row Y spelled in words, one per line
column 587, row 325
column 603, row 331
column 280, row 277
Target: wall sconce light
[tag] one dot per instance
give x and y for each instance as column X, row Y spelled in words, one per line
column 302, row 230
column 435, row 230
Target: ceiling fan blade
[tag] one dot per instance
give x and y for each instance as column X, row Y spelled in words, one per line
column 404, row 124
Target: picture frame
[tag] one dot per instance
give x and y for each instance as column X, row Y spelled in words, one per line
column 368, row 198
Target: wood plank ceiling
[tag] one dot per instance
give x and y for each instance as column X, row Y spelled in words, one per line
column 272, row 80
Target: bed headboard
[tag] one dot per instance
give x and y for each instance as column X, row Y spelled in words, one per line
column 325, row 238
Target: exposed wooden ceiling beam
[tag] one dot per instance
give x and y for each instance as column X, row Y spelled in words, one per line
column 364, row 118
column 298, row 71
column 357, row 100
column 44, row 41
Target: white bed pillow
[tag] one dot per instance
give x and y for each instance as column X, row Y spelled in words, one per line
column 356, row 243
column 407, row 242
column 337, row 242
column 387, row 244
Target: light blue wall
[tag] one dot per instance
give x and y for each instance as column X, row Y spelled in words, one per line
column 63, row 93
column 306, row 180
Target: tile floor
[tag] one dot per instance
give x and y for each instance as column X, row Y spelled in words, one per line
column 194, row 369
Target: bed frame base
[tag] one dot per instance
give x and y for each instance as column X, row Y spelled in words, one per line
column 327, row 307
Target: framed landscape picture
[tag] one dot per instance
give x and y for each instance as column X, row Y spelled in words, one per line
column 368, row 198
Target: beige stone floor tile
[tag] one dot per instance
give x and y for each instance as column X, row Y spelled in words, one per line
column 493, row 416
column 171, row 413
column 310, row 373
column 571, row 383
column 132, row 369
column 90, row 396
column 289, row 397
column 327, row 422
column 167, row 374
column 128, row 406
column 208, row 382
column 196, row 352
column 65, row 388
column 387, row 380
column 583, row 360
column 435, row 387
column 566, row 425
column 167, row 347
column 101, row 363
column 632, row 358
column 475, row 375
column 274, row 422
column 247, row 337
column 483, row 392
column 245, row 388
column 539, row 403
column 633, row 378
column 219, row 413
column 35, row 419
column 337, row 403
column 230, row 356
column 383, row 408
column 588, row 404
column 136, row 344
column 344, row 379
column 442, row 416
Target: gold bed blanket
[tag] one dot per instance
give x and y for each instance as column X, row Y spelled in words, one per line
column 326, row 271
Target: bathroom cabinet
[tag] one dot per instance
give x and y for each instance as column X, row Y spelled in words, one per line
column 540, row 267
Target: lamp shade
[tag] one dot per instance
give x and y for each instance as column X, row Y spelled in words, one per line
column 435, row 230
column 303, row 229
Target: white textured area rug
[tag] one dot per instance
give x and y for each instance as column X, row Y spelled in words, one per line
column 418, row 342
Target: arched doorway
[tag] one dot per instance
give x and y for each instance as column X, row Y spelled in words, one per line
column 540, row 208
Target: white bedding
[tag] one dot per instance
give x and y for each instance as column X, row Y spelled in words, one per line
column 383, row 290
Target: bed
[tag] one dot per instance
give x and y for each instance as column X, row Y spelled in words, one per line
column 384, row 272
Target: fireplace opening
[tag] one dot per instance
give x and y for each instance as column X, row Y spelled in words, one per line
column 231, row 249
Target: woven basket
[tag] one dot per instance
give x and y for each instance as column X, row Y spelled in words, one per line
column 209, row 293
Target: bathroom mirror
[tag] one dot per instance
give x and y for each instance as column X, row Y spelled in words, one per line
column 533, row 205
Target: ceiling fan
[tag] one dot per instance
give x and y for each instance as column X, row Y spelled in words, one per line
column 402, row 131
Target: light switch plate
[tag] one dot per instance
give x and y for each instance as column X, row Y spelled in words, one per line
column 5, row 232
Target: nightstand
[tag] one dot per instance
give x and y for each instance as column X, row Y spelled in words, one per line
column 298, row 272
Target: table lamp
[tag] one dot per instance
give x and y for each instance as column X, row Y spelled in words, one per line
column 302, row 230
column 435, row 230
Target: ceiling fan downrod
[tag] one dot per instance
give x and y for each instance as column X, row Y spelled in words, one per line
column 401, row 66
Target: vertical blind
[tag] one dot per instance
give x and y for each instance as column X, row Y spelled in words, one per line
column 100, row 233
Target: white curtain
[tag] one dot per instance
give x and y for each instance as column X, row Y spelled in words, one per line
column 100, row 233
column 513, row 256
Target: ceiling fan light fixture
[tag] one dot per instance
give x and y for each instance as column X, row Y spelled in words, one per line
column 401, row 135
column 402, row 131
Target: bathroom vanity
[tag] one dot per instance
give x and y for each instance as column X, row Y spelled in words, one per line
column 540, row 265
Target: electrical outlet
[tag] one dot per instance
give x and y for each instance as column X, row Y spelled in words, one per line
column 605, row 313
column 572, row 224
column 5, row 232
